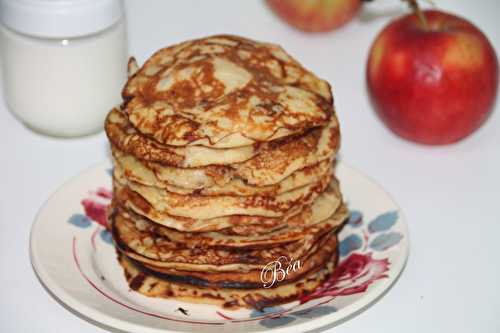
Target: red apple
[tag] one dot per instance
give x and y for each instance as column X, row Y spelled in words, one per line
column 315, row 15
column 432, row 84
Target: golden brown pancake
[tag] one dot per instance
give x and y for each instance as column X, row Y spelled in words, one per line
column 162, row 252
column 123, row 135
column 224, row 240
column 207, row 207
column 196, row 181
column 323, row 207
column 223, row 150
column 225, row 92
column 271, row 163
column 279, row 159
column 274, row 160
column 250, row 279
column 154, row 286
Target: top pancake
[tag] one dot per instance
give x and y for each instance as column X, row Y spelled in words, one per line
column 224, row 92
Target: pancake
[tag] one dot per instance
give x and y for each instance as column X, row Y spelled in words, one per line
column 123, row 135
column 223, row 152
column 281, row 158
column 274, row 161
column 153, row 285
column 161, row 252
column 249, row 279
column 323, row 207
column 224, row 240
column 224, row 92
column 188, row 182
column 207, row 207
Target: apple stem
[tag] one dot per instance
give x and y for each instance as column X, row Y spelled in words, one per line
column 416, row 9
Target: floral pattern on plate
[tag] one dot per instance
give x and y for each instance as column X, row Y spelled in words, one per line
column 73, row 257
column 356, row 271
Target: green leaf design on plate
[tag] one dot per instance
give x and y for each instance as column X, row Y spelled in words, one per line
column 349, row 244
column 383, row 222
column 385, row 241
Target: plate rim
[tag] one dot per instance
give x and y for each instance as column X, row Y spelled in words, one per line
column 95, row 317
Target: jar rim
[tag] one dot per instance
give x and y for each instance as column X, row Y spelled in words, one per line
column 61, row 18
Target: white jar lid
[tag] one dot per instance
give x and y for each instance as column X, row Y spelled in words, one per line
column 60, row 18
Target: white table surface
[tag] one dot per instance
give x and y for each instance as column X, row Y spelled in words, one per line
column 449, row 195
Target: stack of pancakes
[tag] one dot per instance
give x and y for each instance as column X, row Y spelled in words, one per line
column 224, row 190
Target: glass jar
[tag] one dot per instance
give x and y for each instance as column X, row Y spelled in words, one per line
column 64, row 62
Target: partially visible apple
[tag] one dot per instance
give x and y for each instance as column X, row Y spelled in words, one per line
column 315, row 15
column 432, row 83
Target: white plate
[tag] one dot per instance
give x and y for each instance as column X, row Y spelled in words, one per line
column 72, row 254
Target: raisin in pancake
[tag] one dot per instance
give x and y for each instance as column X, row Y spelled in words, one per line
column 323, row 207
column 188, row 182
column 284, row 235
column 154, row 285
column 207, row 207
column 225, row 92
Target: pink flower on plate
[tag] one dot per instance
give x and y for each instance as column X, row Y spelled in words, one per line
column 96, row 206
column 352, row 276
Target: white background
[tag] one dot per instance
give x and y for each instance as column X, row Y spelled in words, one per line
column 449, row 195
